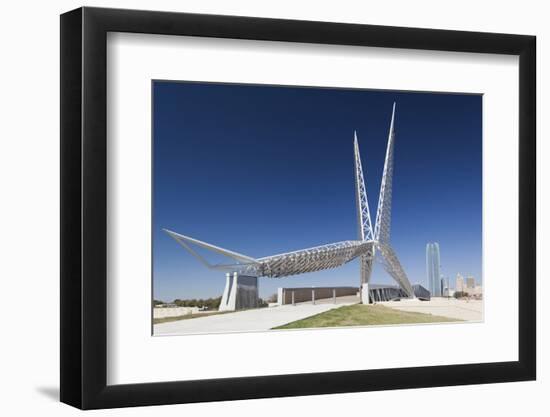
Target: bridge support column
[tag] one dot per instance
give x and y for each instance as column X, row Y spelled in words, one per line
column 240, row 293
column 365, row 299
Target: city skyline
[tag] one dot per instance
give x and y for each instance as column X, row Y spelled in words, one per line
column 267, row 170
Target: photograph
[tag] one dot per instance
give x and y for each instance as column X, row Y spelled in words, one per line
column 281, row 208
column 275, row 208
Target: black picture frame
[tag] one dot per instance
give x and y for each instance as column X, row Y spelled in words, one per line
column 84, row 207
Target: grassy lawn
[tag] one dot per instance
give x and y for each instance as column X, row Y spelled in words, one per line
column 363, row 315
column 188, row 316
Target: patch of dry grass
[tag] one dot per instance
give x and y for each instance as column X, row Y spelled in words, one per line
column 364, row 315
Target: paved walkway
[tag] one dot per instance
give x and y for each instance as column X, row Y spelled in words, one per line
column 447, row 307
column 261, row 319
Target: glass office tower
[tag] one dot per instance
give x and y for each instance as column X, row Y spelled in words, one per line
column 433, row 269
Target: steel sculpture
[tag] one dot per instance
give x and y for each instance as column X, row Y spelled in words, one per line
column 371, row 244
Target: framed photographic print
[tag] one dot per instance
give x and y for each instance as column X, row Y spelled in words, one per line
column 257, row 208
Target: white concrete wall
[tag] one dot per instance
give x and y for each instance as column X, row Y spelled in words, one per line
column 159, row 313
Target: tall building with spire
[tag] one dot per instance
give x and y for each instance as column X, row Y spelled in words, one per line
column 433, row 269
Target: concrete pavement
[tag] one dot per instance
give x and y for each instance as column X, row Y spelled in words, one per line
column 261, row 319
column 438, row 306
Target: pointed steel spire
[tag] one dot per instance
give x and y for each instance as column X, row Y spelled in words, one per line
column 382, row 227
column 363, row 212
column 383, row 214
column 363, row 215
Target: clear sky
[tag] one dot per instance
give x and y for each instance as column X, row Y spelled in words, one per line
column 263, row 170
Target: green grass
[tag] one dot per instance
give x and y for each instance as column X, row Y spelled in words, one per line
column 364, row 315
column 188, row 316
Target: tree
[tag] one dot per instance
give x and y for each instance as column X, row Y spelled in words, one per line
column 209, row 303
column 272, row 298
column 262, row 303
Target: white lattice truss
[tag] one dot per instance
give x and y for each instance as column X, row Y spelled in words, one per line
column 370, row 244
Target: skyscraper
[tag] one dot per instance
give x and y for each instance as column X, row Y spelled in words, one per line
column 459, row 287
column 433, row 272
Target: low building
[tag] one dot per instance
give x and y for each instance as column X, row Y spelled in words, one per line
column 476, row 291
column 305, row 294
column 449, row 292
column 459, row 286
column 377, row 293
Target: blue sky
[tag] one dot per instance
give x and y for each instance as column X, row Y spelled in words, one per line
column 267, row 169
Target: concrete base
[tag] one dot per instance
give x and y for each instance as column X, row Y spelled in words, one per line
column 365, row 299
column 240, row 293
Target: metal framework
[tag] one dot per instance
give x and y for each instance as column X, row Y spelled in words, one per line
column 369, row 244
